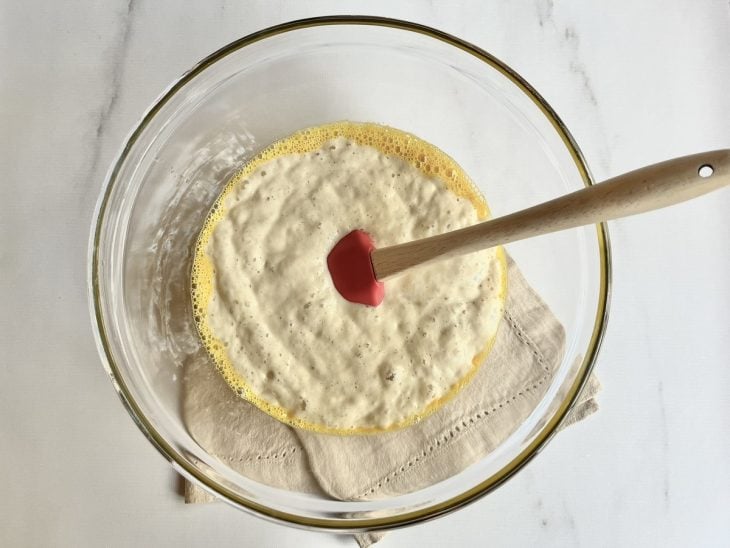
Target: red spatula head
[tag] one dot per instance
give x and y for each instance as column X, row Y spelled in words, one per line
column 352, row 271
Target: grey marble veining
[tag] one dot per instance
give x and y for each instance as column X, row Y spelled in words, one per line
column 544, row 11
column 664, row 440
column 576, row 66
column 116, row 58
column 567, row 34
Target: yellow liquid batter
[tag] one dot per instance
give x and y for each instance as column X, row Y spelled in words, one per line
column 276, row 328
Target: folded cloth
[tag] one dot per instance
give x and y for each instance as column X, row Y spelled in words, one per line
column 510, row 383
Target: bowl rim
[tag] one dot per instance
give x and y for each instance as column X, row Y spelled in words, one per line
column 367, row 524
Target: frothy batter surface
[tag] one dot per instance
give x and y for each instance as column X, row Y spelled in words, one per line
column 278, row 330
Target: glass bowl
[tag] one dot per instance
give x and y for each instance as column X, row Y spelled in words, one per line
column 266, row 86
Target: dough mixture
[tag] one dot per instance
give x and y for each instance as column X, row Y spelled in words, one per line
column 280, row 333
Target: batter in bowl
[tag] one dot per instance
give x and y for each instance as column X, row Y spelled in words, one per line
column 267, row 310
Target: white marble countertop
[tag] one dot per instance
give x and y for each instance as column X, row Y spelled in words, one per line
column 636, row 82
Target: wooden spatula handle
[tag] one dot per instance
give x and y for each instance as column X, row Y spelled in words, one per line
column 644, row 189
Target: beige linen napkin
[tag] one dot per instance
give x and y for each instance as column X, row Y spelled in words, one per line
column 526, row 354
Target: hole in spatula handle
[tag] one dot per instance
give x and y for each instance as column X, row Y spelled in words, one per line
column 705, row 171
